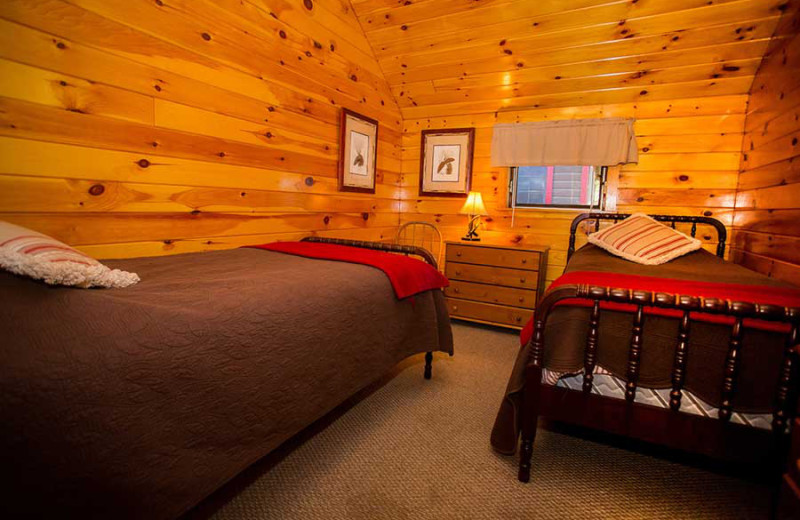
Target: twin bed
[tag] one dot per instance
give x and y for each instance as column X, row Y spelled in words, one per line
column 140, row 402
column 634, row 350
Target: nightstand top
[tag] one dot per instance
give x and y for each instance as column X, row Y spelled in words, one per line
column 497, row 245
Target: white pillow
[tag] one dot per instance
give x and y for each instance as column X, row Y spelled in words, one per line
column 644, row 240
column 28, row 253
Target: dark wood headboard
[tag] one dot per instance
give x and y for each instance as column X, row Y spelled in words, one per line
column 722, row 233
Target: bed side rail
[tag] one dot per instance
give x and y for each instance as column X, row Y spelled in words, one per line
column 379, row 246
column 787, row 385
column 722, row 233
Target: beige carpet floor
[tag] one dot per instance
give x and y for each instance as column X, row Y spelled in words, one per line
column 414, row 449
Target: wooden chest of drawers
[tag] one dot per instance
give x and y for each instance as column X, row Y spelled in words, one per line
column 494, row 284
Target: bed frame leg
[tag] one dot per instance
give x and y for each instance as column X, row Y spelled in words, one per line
column 525, row 456
column 428, row 364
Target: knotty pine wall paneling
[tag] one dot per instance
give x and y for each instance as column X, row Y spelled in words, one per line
column 154, row 127
column 682, row 68
column 689, row 153
column 767, row 218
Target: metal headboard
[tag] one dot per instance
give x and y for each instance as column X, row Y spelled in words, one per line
column 379, row 246
column 722, row 233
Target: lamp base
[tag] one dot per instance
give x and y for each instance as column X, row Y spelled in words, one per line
column 471, row 239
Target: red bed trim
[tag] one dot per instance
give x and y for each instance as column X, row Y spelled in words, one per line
column 782, row 296
column 408, row 276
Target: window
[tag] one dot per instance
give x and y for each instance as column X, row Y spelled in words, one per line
column 557, row 186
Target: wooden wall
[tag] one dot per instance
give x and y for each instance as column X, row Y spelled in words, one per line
column 688, row 164
column 145, row 127
column 767, row 219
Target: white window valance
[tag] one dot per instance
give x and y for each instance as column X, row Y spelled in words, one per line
column 578, row 142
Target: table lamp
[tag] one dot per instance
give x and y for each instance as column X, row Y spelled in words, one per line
column 475, row 209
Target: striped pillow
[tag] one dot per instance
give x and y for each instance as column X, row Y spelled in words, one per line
column 643, row 240
column 28, row 253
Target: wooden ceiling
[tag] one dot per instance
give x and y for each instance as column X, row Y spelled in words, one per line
column 444, row 57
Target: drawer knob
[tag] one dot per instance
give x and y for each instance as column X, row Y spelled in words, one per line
column 522, row 280
column 521, row 298
column 458, row 253
column 518, row 318
column 524, row 261
column 458, row 271
column 455, row 308
column 456, row 290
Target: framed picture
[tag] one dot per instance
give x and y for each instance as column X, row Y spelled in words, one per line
column 446, row 162
column 358, row 152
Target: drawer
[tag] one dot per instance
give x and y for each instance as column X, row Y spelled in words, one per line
column 528, row 260
column 492, row 275
column 525, row 298
column 486, row 312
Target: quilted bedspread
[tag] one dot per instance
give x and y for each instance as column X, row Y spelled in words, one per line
column 139, row 402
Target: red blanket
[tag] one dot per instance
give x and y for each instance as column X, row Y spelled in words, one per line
column 408, row 276
column 782, row 296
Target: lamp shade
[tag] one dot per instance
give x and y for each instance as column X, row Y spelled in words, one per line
column 474, row 205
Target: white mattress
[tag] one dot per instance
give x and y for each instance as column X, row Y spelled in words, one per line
column 611, row 386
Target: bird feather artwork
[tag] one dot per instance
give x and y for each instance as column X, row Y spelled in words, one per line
column 448, row 164
column 359, row 159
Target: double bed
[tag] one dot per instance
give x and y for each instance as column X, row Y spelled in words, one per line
column 140, row 402
column 696, row 354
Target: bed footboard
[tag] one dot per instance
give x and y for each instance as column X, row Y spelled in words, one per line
column 663, row 426
column 389, row 248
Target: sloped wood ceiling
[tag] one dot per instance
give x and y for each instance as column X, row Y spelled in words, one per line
column 471, row 56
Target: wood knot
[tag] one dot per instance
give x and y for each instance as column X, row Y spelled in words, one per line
column 221, row 154
column 308, row 4
column 643, row 93
column 157, row 87
column 143, row 163
column 508, row 51
column 317, row 45
column 309, row 181
column 206, row 36
column 97, row 189
column 195, row 212
column 403, row 27
column 707, row 213
column 269, row 135
column 683, row 178
column 354, row 77
column 61, row 45
column 63, row 83
column 282, row 34
column 270, row 109
column 365, row 215
column 326, row 220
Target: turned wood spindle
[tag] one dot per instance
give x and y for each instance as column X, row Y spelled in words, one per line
column 731, row 365
column 537, row 342
column 679, row 365
column 590, row 355
column 780, row 417
column 635, row 354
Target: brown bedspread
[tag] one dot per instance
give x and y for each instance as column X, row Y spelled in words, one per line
column 567, row 327
column 139, row 402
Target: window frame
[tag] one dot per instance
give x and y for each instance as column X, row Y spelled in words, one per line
column 608, row 193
